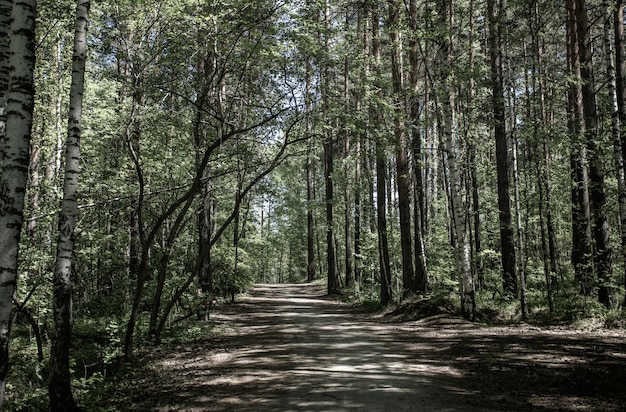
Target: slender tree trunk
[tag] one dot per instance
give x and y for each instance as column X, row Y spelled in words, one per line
column 507, row 238
column 421, row 271
column 5, row 22
column 403, row 173
column 329, row 147
column 205, row 217
column 15, row 160
column 620, row 86
column 310, row 181
column 358, row 260
column 472, row 149
column 620, row 68
column 581, row 231
column 347, row 217
column 533, row 112
column 458, row 207
column 61, row 398
column 386, row 295
column 520, row 235
column 458, row 218
column 615, row 124
column 601, row 229
column 364, row 27
column 542, row 141
column 173, row 232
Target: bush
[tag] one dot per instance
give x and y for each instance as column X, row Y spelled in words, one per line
column 228, row 281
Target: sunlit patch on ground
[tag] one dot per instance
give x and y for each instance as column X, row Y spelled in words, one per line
column 287, row 348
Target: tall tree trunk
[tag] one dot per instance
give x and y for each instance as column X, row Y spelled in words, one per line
column 5, row 22
column 601, row 229
column 472, row 140
column 386, row 295
column 205, row 218
column 347, row 216
column 403, row 173
column 620, row 85
column 421, row 271
column 358, row 259
column 364, row 27
column 620, row 68
column 520, row 235
column 507, row 238
column 15, row 159
column 61, row 398
column 535, row 111
column 581, row 230
column 310, row 181
column 333, row 279
column 542, row 141
column 458, row 207
column 615, row 124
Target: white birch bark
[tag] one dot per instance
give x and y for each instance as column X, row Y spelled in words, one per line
column 459, row 224
column 15, row 160
column 458, row 206
column 5, row 20
column 60, row 392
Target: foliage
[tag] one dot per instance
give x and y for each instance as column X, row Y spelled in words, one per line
column 171, row 81
column 230, row 278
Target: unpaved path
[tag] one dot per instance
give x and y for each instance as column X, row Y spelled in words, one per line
column 290, row 349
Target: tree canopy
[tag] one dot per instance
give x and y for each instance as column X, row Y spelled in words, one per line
column 391, row 150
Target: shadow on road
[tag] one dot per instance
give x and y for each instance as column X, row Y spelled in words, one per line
column 293, row 349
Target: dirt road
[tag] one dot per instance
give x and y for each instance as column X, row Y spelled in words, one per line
column 290, row 349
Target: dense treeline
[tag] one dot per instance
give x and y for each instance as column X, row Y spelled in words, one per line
column 394, row 149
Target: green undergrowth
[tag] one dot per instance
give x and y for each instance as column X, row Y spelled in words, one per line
column 97, row 364
column 570, row 309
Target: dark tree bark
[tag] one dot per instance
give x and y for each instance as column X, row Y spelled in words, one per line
column 357, row 217
column 581, row 230
column 507, row 239
column 620, row 92
column 601, row 230
column 386, row 295
column 381, row 212
column 310, row 180
column 329, row 147
column 472, row 138
column 421, row 271
column 333, row 280
column 403, row 174
column 616, row 132
column 347, row 216
column 620, row 68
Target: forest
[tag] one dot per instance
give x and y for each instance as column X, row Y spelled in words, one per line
column 162, row 156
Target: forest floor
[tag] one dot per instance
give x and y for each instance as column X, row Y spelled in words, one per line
column 289, row 348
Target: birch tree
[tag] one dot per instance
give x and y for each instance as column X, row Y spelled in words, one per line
column 449, row 140
column 15, row 159
column 61, row 398
column 5, row 21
